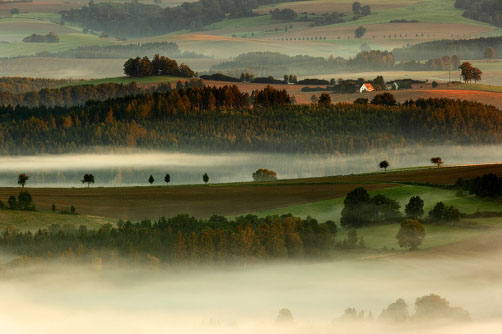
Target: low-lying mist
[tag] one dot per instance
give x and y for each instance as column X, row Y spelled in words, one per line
column 134, row 168
column 71, row 299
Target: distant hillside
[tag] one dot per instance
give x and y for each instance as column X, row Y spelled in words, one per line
column 464, row 49
column 168, row 49
column 136, row 19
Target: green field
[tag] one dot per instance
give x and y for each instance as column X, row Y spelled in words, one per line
column 67, row 41
column 331, row 209
column 29, row 220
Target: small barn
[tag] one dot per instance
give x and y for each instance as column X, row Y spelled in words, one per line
column 367, row 87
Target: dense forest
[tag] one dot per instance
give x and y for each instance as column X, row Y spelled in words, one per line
column 168, row 49
column 80, row 94
column 136, row 19
column 489, row 11
column 464, row 48
column 180, row 240
column 18, row 85
column 220, row 119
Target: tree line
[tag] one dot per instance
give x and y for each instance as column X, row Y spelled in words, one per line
column 18, row 85
column 36, row 38
column 206, row 119
column 180, row 240
column 77, row 94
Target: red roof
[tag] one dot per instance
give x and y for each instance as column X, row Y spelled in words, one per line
column 369, row 87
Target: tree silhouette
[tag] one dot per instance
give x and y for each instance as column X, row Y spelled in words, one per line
column 324, row 99
column 88, row 178
column 53, row 208
column 360, row 31
column 415, row 208
column 356, row 7
column 151, row 180
column 205, row 178
column 22, row 179
column 384, row 164
column 437, row 161
column 167, row 178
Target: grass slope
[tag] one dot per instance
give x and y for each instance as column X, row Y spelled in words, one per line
column 67, row 41
column 33, row 220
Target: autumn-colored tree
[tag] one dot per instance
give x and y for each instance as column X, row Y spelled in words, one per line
column 411, row 234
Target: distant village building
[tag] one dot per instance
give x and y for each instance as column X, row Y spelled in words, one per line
column 367, row 87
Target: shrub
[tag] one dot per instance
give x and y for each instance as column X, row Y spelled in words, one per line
column 264, row 174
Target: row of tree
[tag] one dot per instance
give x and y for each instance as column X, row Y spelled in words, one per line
column 36, row 38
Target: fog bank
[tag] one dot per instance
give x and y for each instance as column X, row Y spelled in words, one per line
column 62, row 299
column 134, row 167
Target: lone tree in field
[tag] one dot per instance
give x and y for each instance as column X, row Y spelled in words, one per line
column 151, row 180
column 411, row 234
column 88, row 178
column 356, row 8
column 167, row 178
column 384, row 164
column 205, row 178
column 359, row 32
column 489, row 54
column 324, row 99
column 437, row 161
column 415, row 208
column 22, row 179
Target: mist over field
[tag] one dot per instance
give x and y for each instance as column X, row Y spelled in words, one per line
column 134, row 167
column 65, row 298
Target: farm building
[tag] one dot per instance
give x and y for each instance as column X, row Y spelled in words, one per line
column 367, row 87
